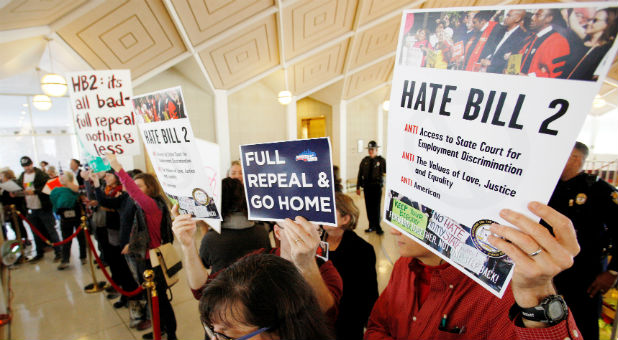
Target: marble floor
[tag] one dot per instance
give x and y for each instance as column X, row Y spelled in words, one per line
column 51, row 304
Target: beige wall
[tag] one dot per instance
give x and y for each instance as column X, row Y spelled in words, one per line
column 362, row 122
column 255, row 116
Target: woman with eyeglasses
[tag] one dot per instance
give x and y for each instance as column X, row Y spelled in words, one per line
column 598, row 36
column 261, row 296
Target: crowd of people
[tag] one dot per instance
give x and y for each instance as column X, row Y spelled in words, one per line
column 250, row 287
column 553, row 43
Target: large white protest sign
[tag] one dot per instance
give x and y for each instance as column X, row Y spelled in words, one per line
column 186, row 176
column 466, row 139
column 103, row 113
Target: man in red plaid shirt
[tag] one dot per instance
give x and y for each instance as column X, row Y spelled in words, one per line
column 427, row 298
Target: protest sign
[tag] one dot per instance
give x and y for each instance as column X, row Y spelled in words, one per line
column 186, row 177
column 289, row 179
column 10, row 186
column 103, row 114
column 467, row 141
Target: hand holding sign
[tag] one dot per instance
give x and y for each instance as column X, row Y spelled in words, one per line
column 538, row 255
column 301, row 238
column 184, row 227
column 113, row 161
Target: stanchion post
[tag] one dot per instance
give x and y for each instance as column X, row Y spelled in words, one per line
column 151, row 287
column 95, row 287
column 16, row 221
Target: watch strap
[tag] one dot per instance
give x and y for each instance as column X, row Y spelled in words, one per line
column 540, row 312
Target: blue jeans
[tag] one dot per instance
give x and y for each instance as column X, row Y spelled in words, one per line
column 45, row 222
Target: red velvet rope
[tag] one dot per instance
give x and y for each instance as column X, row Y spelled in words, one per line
column 107, row 276
column 156, row 328
column 36, row 231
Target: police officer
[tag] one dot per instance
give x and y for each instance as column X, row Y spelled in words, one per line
column 370, row 177
column 592, row 206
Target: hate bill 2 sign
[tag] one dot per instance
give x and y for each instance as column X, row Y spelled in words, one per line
column 484, row 121
column 289, row 179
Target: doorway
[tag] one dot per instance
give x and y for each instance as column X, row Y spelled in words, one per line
column 314, row 127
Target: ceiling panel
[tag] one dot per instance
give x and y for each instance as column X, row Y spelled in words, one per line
column 137, row 35
column 374, row 43
column 28, row 13
column 373, row 9
column 310, row 23
column 318, row 68
column 245, row 55
column 204, row 19
column 368, row 78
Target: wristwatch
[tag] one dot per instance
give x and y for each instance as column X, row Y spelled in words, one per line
column 552, row 310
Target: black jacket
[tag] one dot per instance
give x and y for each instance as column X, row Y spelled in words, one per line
column 371, row 172
column 40, row 179
column 592, row 206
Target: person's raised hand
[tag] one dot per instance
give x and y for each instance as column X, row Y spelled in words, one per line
column 303, row 238
column 538, row 256
column 184, row 227
column 113, row 161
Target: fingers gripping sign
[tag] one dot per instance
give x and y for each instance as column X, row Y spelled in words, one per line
column 302, row 238
column 184, row 227
column 538, row 255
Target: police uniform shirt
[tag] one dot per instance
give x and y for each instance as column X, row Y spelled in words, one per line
column 592, row 206
column 370, row 171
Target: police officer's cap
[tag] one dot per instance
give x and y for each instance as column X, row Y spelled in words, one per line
column 372, row 145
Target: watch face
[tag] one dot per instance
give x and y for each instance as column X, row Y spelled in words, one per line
column 555, row 310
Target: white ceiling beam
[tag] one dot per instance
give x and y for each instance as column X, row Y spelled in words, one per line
column 254, row 79
column 234, row 30
column 371, row 63
column 319, row 87
column 319, row 49
column 185, row 39
column 66, row 47
column 281, row 43
column 358, row 96
column 155, row 71
column 24, row 33
column 75, row 14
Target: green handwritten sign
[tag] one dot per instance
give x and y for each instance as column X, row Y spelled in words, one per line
column 409, row 219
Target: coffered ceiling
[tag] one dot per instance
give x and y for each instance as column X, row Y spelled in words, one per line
column 349, row 44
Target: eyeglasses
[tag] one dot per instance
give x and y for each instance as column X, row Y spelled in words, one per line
column 212, row 335
column 594, row 20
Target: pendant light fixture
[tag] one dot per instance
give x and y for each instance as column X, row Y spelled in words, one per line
column 52, row 83
column 41, row 102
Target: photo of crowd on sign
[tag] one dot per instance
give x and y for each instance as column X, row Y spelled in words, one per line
column 464, row 245
column 568, row 43
column 160, row 106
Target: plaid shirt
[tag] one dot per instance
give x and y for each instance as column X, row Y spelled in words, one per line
column 469, row 307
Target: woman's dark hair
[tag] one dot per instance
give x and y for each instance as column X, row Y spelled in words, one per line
column 111, row 171
column 232, row 197
column 338, row 185
column 265, row 290
column 154, row 189
column 609, row 33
